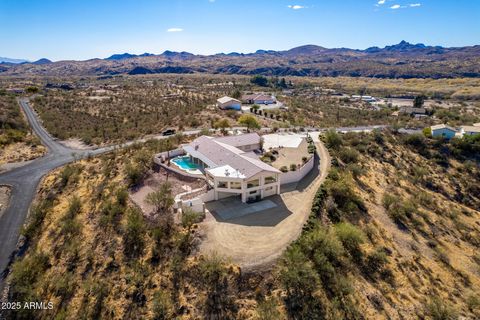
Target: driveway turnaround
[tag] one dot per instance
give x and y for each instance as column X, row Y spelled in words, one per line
column 255, row 240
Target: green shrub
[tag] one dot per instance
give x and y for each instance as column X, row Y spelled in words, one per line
column 162, row 306
column 351, row 237
column 293, row 167
column 349, row 155
column 190, row 217
column 438, row 309
column 133, row 234
column 333, row 139
column 267, row 310
column 284, row 169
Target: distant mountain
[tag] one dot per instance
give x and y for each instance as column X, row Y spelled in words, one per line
column 42, row 61
column 121, row 56
column 178, row 55
column 402, row 60
column 10, row 60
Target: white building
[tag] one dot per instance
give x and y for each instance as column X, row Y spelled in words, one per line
column 232, row 168
column 470, row 130
column 226, row 103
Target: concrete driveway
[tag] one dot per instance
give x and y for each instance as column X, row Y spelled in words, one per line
column 257, row 239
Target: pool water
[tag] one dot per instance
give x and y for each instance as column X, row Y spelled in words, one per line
column 185, row 163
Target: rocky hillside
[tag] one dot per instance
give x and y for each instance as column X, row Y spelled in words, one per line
column 403, row 60
column 393, row 234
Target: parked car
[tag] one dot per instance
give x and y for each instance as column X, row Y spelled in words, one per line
column 168, row 132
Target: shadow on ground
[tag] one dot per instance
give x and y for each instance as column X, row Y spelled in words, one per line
column 266, row 213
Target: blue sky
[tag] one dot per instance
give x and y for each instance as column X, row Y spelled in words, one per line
column 86, row 29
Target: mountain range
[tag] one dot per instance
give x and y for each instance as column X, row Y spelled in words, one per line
column 403, row 60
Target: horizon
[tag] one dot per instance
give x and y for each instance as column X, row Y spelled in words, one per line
column 219, row 53
column 59, row 30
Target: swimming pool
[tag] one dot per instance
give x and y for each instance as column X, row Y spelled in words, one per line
column 186, row 164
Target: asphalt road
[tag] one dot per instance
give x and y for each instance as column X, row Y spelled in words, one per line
column 24, row 181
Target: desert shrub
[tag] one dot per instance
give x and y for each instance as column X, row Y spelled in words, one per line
column 401, row 212
column 293, row 167
column 415, row 140
column 69, row 173
column 219, row 302
column 376, row 261
column 473, row 302
column 133, row 234
column 300, row 281
column 35, row 219
column 284, row 169
column 162, row 199
column 351, row 238
column 349, row 155
column 25, row 274
column 333, row 139
column 190, row 217
column 267, row 310
column 438, row 309
column 346, row 200
column 162, row 306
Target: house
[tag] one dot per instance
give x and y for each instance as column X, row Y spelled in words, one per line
column 442, row 130
column 369, row 99
column 228, row 103
column 258, row 98
column 469, row 130
column 414, row 112
column 232, row 168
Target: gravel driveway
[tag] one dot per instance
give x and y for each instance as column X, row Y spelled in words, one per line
column 258, row 239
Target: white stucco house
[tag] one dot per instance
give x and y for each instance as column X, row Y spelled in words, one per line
column 470, row 130
column 232, row 168
column 228, row 103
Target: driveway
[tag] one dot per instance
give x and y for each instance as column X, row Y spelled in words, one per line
column 257, row 239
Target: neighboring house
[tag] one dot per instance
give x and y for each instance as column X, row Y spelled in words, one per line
column 469, row 130
column 364, row 98
column 258, row 98
column 227, row 103
column 232, row 168
column 442, row 130
column 414, row 112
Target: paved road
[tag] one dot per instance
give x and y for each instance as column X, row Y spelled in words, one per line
column 25, row 179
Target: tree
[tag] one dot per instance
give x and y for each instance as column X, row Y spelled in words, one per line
column 418, row 101
column 259, row 81
column 162, row 199
column 236, row 94
column 333, row 139
column 222, row 124
column 249, row 121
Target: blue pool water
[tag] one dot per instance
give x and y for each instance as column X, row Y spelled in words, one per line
column 185, row 163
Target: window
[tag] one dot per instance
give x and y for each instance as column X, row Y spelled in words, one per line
column 270, row 180
column 222, row 184
column 253, row 192
column 253, row 183
column 268, row 189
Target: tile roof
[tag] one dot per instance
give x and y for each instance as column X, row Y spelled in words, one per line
column 215, row 154
column 258, row 96
column 240, row 139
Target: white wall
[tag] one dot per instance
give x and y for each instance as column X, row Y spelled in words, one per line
column 295, row 176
